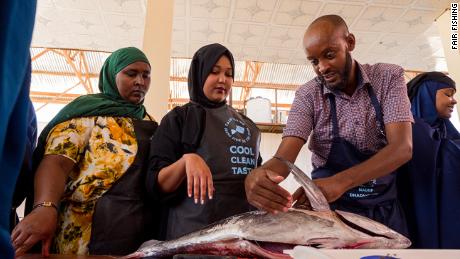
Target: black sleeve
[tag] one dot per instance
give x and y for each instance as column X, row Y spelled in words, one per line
column 179, row 132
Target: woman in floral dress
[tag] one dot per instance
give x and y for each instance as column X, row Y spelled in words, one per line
column 89, row 181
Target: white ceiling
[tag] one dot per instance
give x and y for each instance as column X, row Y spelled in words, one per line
column 89, row 24
column 395, row 31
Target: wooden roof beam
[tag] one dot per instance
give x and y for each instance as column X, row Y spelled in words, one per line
column 85, row 66
column 255, row 85
column 255, row 67
column 181, row 101
column 67, row 56
column 54, row 96
column 62, row 73
column 41, row 53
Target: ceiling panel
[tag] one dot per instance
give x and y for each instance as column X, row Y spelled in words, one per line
column 296, row 13
column 259, row 30
column 208, row 31
column 348, row 11
column 259, row 11
column 247, row 34
column 378, row 18
column 415, row 21
column 215, row 9
column 403, row 3
column 284, row 38
column 89, row 24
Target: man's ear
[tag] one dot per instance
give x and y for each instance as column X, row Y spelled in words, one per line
column 351, row 41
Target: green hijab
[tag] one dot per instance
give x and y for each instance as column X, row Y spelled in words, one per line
column 107, row 103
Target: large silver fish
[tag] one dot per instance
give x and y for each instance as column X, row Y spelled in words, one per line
column 265, row 235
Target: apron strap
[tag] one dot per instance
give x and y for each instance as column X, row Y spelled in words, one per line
column 335, row 126
column 378, row 109
column 375, row 103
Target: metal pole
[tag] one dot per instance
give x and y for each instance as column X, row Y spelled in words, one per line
column 276, row 106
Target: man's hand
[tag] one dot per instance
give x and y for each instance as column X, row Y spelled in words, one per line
column 331, row 187
column 263, row 191
column 39, row 225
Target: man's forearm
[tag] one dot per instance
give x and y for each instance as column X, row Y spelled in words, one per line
column 276, row 166
column 387, row 160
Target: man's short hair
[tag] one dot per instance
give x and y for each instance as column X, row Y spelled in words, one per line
column 334, row 19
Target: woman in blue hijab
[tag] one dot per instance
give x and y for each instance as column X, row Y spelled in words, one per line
column 430, row 187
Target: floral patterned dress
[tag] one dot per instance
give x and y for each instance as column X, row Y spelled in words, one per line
column 102, row 148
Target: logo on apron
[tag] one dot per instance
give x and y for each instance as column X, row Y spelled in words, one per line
column 237, row 130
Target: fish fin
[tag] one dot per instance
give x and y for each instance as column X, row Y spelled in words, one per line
column 326, row 242
column 149, row 243
column 306, row 252
column 135, row 255
column 315, row 196
column 360, row 244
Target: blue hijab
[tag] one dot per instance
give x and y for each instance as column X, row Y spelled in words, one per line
column 422, row 93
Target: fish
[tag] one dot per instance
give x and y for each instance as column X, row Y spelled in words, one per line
column 266, row 235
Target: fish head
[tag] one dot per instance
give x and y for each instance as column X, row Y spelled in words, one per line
column 380, row 236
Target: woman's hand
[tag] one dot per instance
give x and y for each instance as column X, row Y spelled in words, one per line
column 40, row 224
column 199, row 177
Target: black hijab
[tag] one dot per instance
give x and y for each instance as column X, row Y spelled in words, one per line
column 202, row 63
column 416, row 82
column 181, row 130
column 422, row 94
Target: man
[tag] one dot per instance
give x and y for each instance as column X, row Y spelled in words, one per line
column 358, row 120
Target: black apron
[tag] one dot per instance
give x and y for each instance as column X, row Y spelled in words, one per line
column 376, row 199
column 230, row 147
column 123, row 216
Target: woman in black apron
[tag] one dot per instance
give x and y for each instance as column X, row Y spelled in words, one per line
column 203, row 150
column 429, row 188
